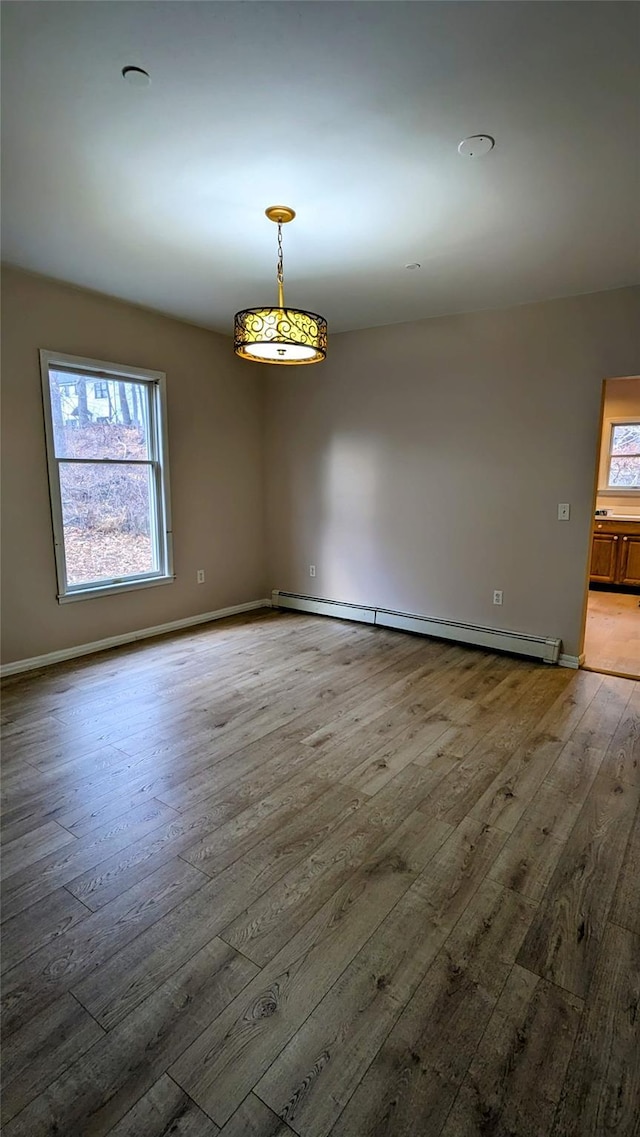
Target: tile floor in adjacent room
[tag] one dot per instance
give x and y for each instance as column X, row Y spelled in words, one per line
column 612, row 635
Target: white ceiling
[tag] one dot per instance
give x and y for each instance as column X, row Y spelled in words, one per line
column 349, row 112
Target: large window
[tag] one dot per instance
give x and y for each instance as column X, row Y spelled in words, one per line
column 108, row 475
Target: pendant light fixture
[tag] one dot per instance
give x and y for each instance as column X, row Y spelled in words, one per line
column 283, row 335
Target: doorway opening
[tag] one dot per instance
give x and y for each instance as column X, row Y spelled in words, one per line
column 612, row 629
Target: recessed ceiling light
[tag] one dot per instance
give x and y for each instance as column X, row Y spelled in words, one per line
column 476, row 146
column 136, row 76
column 413, row 265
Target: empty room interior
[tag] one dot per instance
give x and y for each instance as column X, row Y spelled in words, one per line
column 320, row 568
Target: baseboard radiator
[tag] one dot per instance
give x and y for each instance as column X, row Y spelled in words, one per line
column 538, row 647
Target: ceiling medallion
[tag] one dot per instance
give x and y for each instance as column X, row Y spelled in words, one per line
column 282, row 335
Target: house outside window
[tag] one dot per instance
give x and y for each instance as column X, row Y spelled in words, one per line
column 106, row 436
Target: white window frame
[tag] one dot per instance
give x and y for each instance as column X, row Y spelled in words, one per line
column 604, row 488
column 96, row 369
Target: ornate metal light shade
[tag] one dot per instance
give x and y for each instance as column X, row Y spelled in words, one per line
column 280, row 335
column 288, row 336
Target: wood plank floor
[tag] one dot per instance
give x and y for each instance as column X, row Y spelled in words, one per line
column 287, row 875
column 612, row 633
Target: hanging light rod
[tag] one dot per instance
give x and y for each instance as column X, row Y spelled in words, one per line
column 288, row 336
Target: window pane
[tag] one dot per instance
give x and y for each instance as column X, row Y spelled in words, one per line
column 625, row 472
column 626, row 438
column 106, row 515
column 105, row 419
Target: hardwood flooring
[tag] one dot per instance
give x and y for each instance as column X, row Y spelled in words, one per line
column 612, row 634
column 286, row 875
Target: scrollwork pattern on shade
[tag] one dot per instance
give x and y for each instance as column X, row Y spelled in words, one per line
column 281, row 325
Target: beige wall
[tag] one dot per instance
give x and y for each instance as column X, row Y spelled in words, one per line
column 215, row 447
column 621, row 400
column 421, row 466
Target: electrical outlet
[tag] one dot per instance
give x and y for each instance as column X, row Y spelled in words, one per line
column 497, row 596
column 200, row 576
column 564, row 511
column 312, row 570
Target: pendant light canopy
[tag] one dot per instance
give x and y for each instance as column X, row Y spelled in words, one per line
column 282, row 335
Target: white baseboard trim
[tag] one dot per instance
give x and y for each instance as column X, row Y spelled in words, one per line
column 539, row 647
column 52, row 657
column 574, row 661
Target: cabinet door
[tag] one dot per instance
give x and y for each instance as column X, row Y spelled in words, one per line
column 629, row 571
column 603, row 557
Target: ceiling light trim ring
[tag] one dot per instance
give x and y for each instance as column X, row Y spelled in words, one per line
column 136, row 76
column 476, row 145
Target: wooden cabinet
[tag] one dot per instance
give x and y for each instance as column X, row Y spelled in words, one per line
column 604, row 557
column 615, row 552
column 629, row 558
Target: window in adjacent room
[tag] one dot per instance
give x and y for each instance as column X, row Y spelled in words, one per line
column 108, row 475
column 624, row 456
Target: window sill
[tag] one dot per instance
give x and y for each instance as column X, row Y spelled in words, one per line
column 622, row 491
column 111, row 589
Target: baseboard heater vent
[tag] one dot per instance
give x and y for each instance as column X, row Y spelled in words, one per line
column 537, row 646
